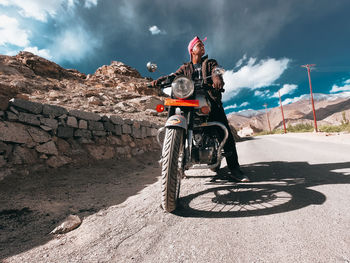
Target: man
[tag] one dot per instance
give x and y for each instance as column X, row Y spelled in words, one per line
column 202, row 68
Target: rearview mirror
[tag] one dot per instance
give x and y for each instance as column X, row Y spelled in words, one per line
column 151, row 67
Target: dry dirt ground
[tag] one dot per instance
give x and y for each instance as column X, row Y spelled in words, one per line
column 296, row 209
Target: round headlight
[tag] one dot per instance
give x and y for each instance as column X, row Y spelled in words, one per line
column 182, row 87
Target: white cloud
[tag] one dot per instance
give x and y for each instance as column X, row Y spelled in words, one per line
column 234, row 106
column 262, row 93
column 74, row 44
column 155, row 30
column 11, row 33
column 240, row 62
column 345, row 87
column 41, row 9
column 39, row 52
column 336, row 88
column 286, row 89
column 295, row 99
column 90, row 3
column 254, row 75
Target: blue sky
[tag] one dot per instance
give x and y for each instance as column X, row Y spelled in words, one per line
column 261, row 44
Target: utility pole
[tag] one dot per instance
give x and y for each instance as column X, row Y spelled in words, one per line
column 308, row 66
column 267, row 116
column 284, row 123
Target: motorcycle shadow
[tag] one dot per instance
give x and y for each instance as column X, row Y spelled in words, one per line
column 275, row 187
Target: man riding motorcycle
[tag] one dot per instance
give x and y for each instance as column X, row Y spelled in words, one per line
column 202, row 68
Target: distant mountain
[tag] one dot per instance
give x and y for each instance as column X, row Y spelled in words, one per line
column 329, row 111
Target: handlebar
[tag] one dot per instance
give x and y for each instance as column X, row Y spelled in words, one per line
column 166, row 84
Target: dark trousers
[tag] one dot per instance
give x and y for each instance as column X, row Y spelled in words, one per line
column 218, row 114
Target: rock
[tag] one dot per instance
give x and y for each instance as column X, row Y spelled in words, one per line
column 99, row 133
column 136, row 132
column 4, row 102
column 126, row 129
column 30, row 106
column 108, row 126
column 5, row 149
column 52, row 123
column 22, row 96
column 70, row 223
column 101, row 152
column 11, row 116
column 47, row 148
column 83, row 124
column 118, row 130
column 14, row 110
column 117, row 68
column 151, row 112
column 113, row 140
column 63, row 146
column 154, row 132
column 42, row 66
column 151, row 103
column 95, row 101
column 14, row 132
column 143, row 132
column 128, row 121
column 65, row 132
column 45, row 128
column 72, row 122
column 58, row 161
column 116, row 119
column 82, row 133
column 2, row 161
column 89, row 116
column 136, row 151
column 43, row 156
column 148, row 132
column 23, row 155
column 96, row 126
column 53, row 110
column 38, row 135
column 29, row 118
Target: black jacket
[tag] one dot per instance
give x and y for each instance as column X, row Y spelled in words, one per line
column 208, row 65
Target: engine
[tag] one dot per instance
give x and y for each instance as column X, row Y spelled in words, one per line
column 204, row 149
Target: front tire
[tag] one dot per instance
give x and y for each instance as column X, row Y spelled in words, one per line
column 171, row 177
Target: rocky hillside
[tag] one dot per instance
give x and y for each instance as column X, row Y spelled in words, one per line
column 113, row 89
column 329, row 111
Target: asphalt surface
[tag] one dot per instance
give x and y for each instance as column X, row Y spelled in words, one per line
column 295, row 209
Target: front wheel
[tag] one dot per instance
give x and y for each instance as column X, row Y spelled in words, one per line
column 171, row 177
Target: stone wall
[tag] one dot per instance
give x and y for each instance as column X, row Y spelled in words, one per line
column 36, row 136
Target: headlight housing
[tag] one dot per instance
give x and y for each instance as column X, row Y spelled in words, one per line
column 182, row 87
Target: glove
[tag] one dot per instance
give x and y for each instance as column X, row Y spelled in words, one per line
column 218, row 83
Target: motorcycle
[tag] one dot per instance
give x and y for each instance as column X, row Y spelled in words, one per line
column 190, row 140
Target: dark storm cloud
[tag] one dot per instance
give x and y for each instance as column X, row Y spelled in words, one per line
column 302, row 31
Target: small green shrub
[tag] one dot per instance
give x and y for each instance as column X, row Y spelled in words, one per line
column 307, row 127
column 302, row 127
column 339, row 128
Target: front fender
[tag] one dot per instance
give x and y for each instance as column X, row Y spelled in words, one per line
column 176, row 121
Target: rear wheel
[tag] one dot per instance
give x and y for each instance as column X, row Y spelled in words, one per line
column 171, row 177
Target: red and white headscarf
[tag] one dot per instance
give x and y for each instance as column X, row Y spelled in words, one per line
column 193, row 42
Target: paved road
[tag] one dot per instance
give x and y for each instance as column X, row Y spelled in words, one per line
column 296, row 209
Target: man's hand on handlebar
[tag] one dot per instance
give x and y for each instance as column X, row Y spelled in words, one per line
column 217, row 83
